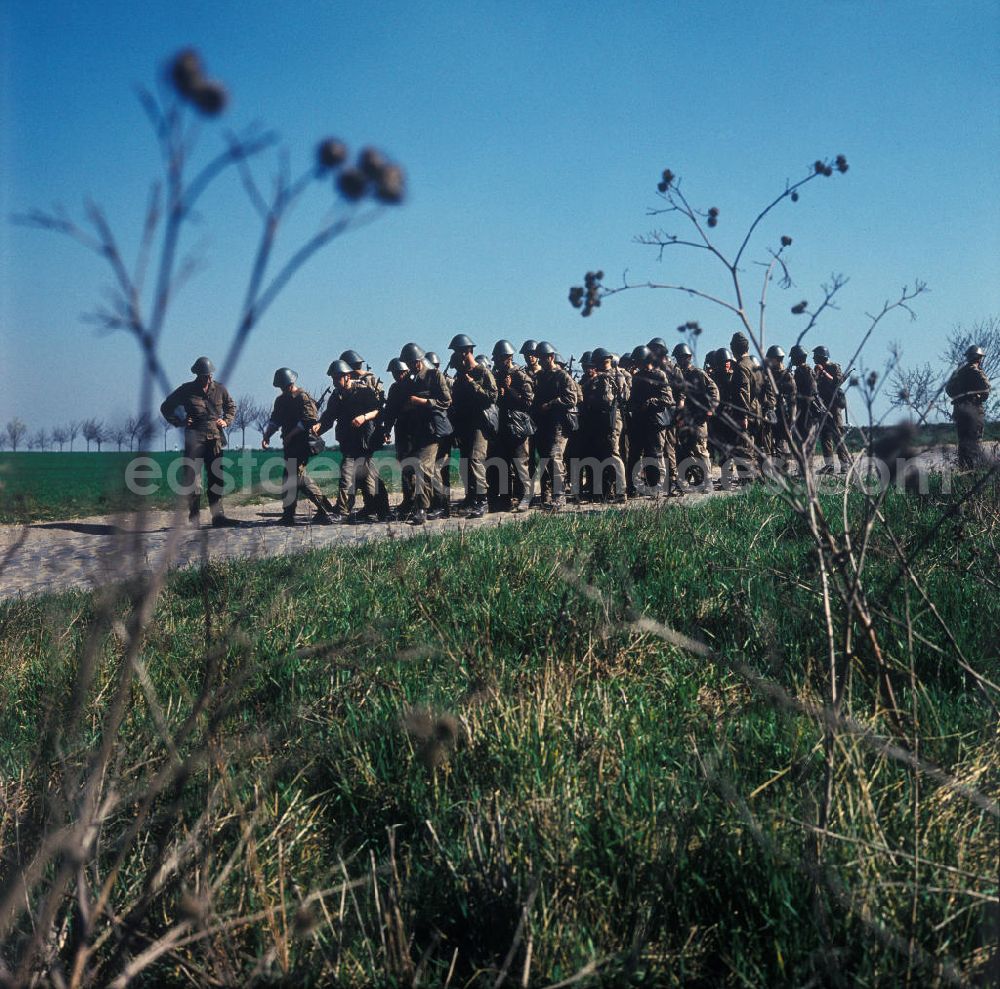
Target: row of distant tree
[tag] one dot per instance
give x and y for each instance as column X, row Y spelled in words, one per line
column 133, row 433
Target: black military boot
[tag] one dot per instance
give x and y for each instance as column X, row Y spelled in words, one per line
column 477, row 509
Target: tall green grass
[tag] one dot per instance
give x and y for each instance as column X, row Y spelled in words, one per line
column 516, row 775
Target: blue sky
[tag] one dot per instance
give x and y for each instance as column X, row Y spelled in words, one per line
column 533, row 135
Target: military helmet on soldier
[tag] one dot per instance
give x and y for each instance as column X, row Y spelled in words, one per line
column 284, row 377
column 544, row 348
column 502, row 348
column 587, row 359
column 461, row 342
column 974, row 353
column 432, row 359
column 682, row 350
column 821, row 354
column 720, row 357
column 643, row 355
column 775, row 353
column 528, row 348
column 353, row 358
column 798, row 354
column 396, row 366
column 599, row 356
column 411, row 353
column 203, row 366
column 339, row 368
column 658, row 345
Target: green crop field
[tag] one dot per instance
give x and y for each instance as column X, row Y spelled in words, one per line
column 43, row 486
column 472, row 759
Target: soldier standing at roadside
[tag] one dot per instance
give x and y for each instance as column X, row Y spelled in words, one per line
column 602, row 408
column 831, row 431
column 204, row 408
column 294, row 413
column 969, row 388
column 744, row 404
column 779, row 405
column 474, row 393
column 651, row 408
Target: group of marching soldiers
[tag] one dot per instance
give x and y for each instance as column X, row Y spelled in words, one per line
column 649, row 423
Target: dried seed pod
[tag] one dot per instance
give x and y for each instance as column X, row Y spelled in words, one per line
column 352, row 183
column 799, row 308
column 841, row 164
column 331, row 153
column 371, row 161
column 186, row 72
column 209, row 98
column 794, row 197
column 391, row 185
column 786, row 241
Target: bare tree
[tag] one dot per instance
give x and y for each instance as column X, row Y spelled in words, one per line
column 38, row 440
column 94, row 431
column 15, row 431
column 72, row 431
column 118, row 434
column 983, row 333
column 261, row 419
column 140, row 431
column 248, row 409
column 60, row 435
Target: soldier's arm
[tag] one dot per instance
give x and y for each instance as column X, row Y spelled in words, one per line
column 170, row 404
column 440, row 396
column 330, row 413
column 228, row 406
column 523, row 396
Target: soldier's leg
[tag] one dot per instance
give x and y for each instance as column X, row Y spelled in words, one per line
column 558, row 458
column 698, row 441
column 310, row 488
column 216, row 480
column 477, row 464
column 669, row 458
column 519, row 457
column 190, row 474
column 425, row 466
column 347, row 485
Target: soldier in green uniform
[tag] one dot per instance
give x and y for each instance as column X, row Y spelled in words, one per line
column 601, row 420
column 744, row 405
column 651, row 409
column 473, row 397
column 400, row 372
column 355, row 406
column 697, row 398
column 419, row 411
column 831, row 410
column 969, row 388
column 779, row 401
column 204, row 408
column 805, row 402
column 516, row 394
column 555, row 413
column 294, row 413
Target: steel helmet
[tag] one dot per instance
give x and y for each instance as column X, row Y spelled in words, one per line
column 682, row 350
column 798, row 354
column 461, row 342
column 544, row 348
column 411, row 353
column 432, row 358
column 600, row 355
column 482, row 359
column 643, row 355
column 396, row 366
column 587, row 359
column 284, row 377
column 740, row 343
column 528, row 347
column 775, row 353
column 821, row 354
column 503, row 348
column 338, row 368
column 560, row 360
column 974, row 353
column 203, row 366
column 657, row 344
column 353, row 358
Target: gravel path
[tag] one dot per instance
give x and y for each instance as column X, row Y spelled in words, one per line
column 46, row 557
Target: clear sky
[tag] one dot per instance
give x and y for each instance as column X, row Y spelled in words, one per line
column 533, row 135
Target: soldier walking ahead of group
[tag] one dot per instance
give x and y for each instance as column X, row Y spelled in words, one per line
column 204, row 409
column 969, row 388
column 829, row 378
column 473, row 395
column 294, row 413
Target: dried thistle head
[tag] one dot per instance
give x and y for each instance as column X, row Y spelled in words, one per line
column 331, row 153
column 352, row 184
column 186, row 71
column 841, row 164
column 786, row 241
column 390, row 187
column 799, row 308
column 209, row 98
column 371, row 161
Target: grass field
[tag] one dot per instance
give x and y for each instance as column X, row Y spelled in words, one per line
column 519, row 780
column 43, row 486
